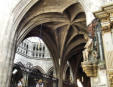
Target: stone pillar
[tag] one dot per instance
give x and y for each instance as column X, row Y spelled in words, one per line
column 7, row 50
column 60, row 82
column 106, row 18
column 59, row 75
column 60, row 79
column 6, row 60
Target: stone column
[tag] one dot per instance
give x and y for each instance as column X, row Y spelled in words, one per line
column 60, row 78
column 7, row 50
column 6, row 60
column 60, row 82
column 106, row 18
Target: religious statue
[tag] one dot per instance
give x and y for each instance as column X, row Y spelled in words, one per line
column 88, row 47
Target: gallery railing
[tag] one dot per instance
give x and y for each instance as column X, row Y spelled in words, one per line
column 31, row 77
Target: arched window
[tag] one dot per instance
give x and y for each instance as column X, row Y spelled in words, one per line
column 43, row 55
column 34, row 48
column 24, row 44
column 37, row 48
column 43, row 48
column 36, row 54
column 40, row 48
column 27, row 46
column 39, row 54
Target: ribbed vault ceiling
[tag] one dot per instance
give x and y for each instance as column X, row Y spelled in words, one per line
column 60, row 23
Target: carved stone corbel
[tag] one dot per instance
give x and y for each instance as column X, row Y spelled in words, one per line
column 90, row 68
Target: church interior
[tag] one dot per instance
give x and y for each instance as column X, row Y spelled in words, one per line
column 56, row 43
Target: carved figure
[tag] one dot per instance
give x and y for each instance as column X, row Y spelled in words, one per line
column 88, row 47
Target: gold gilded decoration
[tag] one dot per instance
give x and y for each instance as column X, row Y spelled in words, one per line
column 111, row 78
column 90, row 69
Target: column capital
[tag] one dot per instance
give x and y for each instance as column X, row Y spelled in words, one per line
column 106, row 17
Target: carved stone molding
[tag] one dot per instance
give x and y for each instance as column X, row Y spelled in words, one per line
column 106, row 18
column 90, row 68
column 109, row 10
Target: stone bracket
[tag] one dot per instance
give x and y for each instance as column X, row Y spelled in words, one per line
column 90, row 68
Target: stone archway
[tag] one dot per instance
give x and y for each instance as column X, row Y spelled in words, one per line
column 39, row 68
column 50, row 71
column 58, row 21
